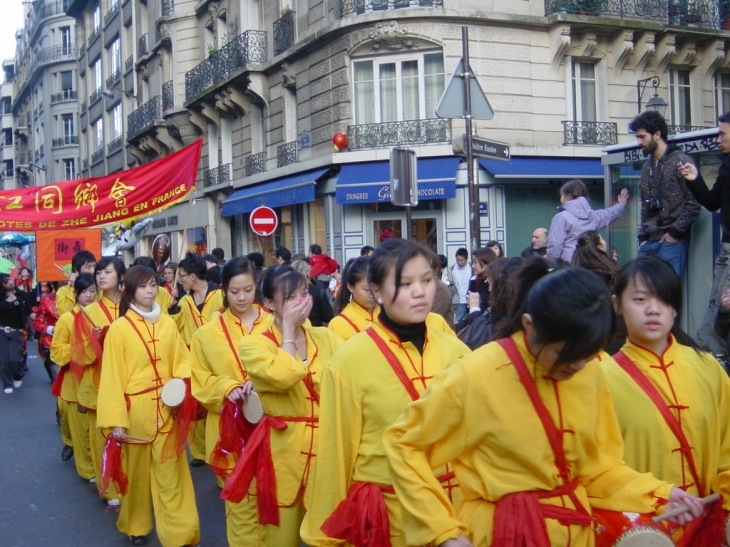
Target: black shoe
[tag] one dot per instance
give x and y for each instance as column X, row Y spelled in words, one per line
column 138, row 540
column 197, row 463
column 67, row 453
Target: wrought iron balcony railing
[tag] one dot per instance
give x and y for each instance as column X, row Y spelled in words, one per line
column 590, row 132
column 217, row 175
column 65, row 95
column 95, row 96
column 249, row 47
column 168, row 96
column 128, row 64
column 284, row 32
column 363, row 6
column 94, row 35
column 115, row 145
column 26, row 70
column 377, row 135
column 43, row 10
column 66, row 140
column 82, row 49
column 144, row 116
column 83, row 107
column 113, row 10
column 21, row 159
column 114, row 78
column 85, row 164
column 98, row 155
column 676, row 129
column 705, row 13
column 167, row 7
column 142, row 46
column 286, row 154
column 255, row 163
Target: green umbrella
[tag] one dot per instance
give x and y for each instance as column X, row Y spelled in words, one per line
column 6, row 266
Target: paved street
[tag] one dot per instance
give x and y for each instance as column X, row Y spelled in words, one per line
column 43, row 502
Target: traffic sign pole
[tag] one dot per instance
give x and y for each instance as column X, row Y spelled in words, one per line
column 475, row 231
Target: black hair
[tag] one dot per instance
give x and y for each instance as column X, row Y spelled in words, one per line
column 660, row 279
column 283, row 253
column 4, row 277
column 355, row 270
column 651, row 122
column 118, row 265
column 134, row 277
column 80, row 259
column 300, row 256
column 502, row 286
column 494, row 243
column 257, row 259
column 210, row 258
column 444, row 261
column 315, row 249
column 588, row 256
column 82, row 282
column 235, row 266
column 146, row 261
column 219, row 253
column 394, row 253
column 575, row 188
column 462, row 252
column 366, row 250
column 281, row 279
column 193, row 264
column 724, row 118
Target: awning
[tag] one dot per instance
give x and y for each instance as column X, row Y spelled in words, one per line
column 298, row 188
column 545, row 168
column 369, row 182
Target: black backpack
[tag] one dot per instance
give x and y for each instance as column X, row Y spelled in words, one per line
column 479, row 331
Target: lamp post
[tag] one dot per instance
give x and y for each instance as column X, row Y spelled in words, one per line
column 656, row 103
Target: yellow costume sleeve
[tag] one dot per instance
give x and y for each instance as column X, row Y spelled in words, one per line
column 209, row 388
column 61, row 342
column 437, row 322
column 65, row 299
column 112, row 406
column 721, row 483
column 341, row 327
column 164, row 299
column 181, row 358
column 271, row 368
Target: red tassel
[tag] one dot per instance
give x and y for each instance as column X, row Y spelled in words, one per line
column 58, row 382
column 361, row 519
column 710, row 529
column 255, row 461
column 519, row 522
column 234, row 431
column 111, row 466
column 185, row 415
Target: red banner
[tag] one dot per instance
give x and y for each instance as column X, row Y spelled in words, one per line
column 56, row 248
column 93, row 202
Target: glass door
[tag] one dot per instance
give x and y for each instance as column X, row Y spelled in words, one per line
column 424, row 229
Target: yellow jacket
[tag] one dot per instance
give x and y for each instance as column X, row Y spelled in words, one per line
column 434, row 321
column 278, row 379
column 128, row 376
column 190, row 319
column 360, row 399
column 61, row 353
column 478, row 414
column 164, row 299
column 352, row 320
column 692, row 381
column 102, row 313
column 217, row 369
column 65, row 299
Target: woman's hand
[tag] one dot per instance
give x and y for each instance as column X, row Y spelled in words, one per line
column 118, row 433
column 295, row 313
column 461, row 541
column 96, row 332
column 623, row 197
column 473, row 300
column 679, row 498
column 238, row 394
column 725, row 301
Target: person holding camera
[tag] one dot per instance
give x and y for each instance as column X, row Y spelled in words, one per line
column 668, row 209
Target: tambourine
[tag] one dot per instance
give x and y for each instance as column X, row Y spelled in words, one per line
column 173, row 392
column 253, row 410
column 615, row 529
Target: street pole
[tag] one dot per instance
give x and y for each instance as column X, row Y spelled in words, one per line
column 408, row 231
column 472, row 184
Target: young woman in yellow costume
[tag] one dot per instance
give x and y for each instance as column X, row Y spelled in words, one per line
column 69, row 352
column 355, row 305
column 82, row 262
column 164, row 299
column 362, row 396
column 530, row 428
column 672, row 400
column 201, row 301
column 142, row 352
column 285, row 365
column 220, row 380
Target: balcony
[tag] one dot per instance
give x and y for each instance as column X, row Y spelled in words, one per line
column 603, row 133
column 249, row 47
column 702, row 13
column 98, row 155
column 94, row 35
column 66, row 140
column 286, row 154
column 82, row 49
column 284, row 32
column 166, row 7
column 128, row 64
column 142, row 46
column 65, row 95
column 217, row 175
column 168, row 96
column 44, row 10
column 115, row 145
column 113, row 10
column 82, row 108
column 85, row 164
column 21, row 159
column 144, row 116
column 676, row 129
column 114, row 78
column 44, row 56
column 379, row 135
column 7, row 107
column 358, row 7
column 256, row 163
column 95, row 96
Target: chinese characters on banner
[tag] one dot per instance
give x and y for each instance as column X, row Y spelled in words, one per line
column 56, row 248
column 98, row 201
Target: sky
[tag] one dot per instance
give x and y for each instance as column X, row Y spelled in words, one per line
column 11, row 18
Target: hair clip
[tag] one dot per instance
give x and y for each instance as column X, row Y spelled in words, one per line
column 550, row 270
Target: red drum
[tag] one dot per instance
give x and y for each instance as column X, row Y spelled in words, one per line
column 614, row 529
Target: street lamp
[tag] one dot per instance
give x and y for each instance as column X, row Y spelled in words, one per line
column 110, row 92
column 656, row 103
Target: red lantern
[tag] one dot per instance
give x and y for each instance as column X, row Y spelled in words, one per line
column 339, row 140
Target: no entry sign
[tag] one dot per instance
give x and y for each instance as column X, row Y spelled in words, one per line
column 263, row 221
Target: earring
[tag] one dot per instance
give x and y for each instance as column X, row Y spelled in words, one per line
column 380, row 301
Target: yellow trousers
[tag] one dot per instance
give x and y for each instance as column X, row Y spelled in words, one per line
column 79, row 426
column 169, row 488
column 65, row 429
column 287, row 533
column 242, row 523
column 196, row 441
column 97, row 441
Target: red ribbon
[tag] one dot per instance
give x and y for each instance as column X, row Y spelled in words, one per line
column 111, row 466
column 394, row 363
column 234, row 432
column 184, row 416
column 361, row 519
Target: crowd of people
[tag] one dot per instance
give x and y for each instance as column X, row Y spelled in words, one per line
column 547, row 400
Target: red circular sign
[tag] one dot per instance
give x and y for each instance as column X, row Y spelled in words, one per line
column 263, row 221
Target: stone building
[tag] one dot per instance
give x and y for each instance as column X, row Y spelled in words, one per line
column 45, row 106
column 6, row 126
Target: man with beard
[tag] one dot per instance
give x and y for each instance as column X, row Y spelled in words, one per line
column 668, row 209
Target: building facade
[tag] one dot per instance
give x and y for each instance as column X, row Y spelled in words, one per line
column 6, row 126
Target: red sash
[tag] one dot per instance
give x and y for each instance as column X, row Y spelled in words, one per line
column 394, row 363
column 653, row 393
column 234, row 350
column 350, row 322
column 520, row 517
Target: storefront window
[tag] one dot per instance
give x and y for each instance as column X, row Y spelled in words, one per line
column 318, row 222
column 624, row 245
column 266, row 244
column 388, row 207
column 197, row 240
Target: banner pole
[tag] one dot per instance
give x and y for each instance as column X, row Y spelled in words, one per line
column 185, row 229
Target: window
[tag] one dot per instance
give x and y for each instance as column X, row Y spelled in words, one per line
column 115, row 57
column 680, row 102
column 397, row 89
column 8, row 168
column 98, row 135
column 7, row 137
column 722, row 92
column 584, row 92
column 69, row 169
column 117, row 121
column 68, row 127
column 96, row 18
column 66, row 44
column 97, row 75
column 7, row 105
